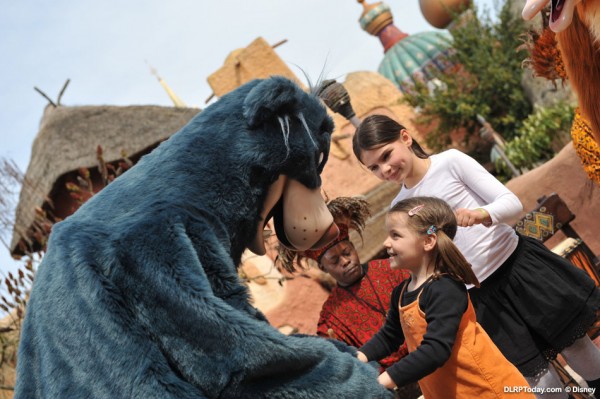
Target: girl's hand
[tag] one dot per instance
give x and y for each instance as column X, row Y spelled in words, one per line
column 361, row 356
column 385, row 380
column 470, row 217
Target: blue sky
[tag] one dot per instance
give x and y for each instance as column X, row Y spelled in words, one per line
column 104, row 48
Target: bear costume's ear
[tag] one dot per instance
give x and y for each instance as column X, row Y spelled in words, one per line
column 273, row 97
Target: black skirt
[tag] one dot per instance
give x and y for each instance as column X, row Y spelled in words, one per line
column 535, row 305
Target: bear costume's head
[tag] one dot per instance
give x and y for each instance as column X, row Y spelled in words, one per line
column 138, row 293
column 258, row 154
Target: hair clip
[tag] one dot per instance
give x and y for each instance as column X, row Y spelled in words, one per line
column 432, row 229
column 416, row 209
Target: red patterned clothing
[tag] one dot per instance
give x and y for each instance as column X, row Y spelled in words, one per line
column 356, row 313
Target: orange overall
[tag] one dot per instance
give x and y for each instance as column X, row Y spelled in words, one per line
column 476, row 368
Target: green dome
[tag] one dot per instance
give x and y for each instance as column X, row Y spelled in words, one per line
column 415, row 57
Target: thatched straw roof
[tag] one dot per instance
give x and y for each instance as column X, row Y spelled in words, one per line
column 68, row 139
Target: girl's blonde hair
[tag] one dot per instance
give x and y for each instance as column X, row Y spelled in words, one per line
column 429, row 215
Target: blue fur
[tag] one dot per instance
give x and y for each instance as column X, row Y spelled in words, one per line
column 138, row 294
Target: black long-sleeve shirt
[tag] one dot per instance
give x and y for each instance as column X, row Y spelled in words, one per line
column 444, row 301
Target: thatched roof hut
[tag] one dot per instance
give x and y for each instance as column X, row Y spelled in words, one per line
column 68, row 139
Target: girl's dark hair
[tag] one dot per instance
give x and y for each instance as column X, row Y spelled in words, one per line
column 436, row 212
column 378, row 130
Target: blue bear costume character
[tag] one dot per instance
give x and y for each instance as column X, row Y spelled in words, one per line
column 138, row 294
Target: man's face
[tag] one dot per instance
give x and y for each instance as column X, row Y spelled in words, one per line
column 342, row 263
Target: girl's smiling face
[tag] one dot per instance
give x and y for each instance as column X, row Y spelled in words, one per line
column 405, row 246
column 391, row 162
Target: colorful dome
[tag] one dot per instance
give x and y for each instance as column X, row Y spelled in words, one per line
column 408, row 58
column 416, row 57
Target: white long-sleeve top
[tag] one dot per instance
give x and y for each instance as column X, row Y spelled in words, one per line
column 463, row 183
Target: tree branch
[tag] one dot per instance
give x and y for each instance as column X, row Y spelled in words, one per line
column 62, row 91
column 45, row 96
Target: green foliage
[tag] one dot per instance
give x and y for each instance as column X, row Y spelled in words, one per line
column 534, row 141
column 486, row 80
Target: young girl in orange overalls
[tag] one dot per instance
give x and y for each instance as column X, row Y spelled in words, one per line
column 449, row 352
